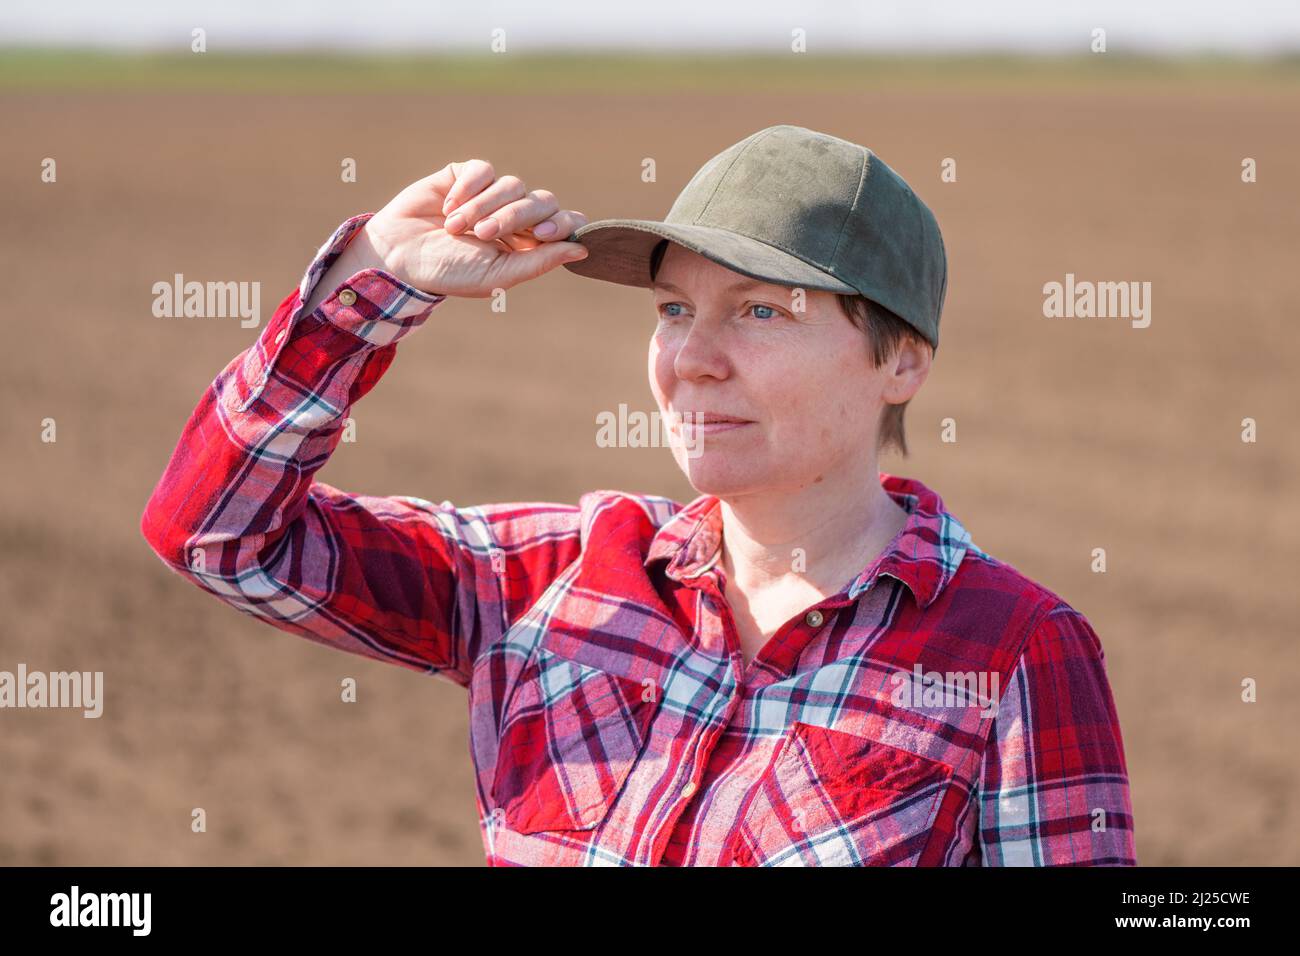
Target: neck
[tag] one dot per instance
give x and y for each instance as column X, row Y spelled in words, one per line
column 838, row 526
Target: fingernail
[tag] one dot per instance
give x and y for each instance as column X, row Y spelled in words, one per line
column 544, row 229
column 454, row 223
column 488, row 230
column 575, row 255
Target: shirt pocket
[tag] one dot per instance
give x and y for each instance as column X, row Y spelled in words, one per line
column 570, row 736
column 831, row 798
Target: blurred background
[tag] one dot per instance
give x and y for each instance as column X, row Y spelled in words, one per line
column 224, row 164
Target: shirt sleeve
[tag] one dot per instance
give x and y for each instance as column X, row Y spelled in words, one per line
column 1054, row 787
column 238, row 512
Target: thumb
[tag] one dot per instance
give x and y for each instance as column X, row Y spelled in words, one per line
column 531, row 263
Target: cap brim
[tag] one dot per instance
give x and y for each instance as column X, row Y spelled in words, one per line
column 618, row 250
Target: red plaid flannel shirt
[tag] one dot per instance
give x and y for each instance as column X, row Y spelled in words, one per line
column 941, row 709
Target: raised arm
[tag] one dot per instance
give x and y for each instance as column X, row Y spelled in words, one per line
column 238, row 511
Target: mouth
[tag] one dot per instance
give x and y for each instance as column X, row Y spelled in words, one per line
column 707, row 423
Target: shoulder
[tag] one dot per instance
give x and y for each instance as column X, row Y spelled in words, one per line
column 1035, row 617
column 610, row 509
column 1051, row 664
column 534, row 522
column 656, row 508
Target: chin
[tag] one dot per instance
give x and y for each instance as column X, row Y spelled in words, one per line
column 713, row 474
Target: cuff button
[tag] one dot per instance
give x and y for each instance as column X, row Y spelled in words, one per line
column 347, row 297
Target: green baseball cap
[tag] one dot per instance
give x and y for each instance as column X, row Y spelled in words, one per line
column 794, row 207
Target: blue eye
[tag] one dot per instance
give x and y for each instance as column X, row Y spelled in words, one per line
column 771, row 312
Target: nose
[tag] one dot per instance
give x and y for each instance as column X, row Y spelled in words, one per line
column 700, row 354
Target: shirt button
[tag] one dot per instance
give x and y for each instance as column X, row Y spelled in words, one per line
column 279, row 336
column 689, row 789
column 347, row 297
column 813, row 618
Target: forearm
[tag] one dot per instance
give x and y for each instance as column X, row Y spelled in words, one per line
column 242, row 469
column 238, row 511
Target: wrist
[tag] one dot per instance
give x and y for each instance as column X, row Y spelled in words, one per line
column 372, row 250
column 363, row 253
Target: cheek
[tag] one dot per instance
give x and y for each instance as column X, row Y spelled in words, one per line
column 652, row 359
column 835, row 416
column 837, row 422
column 793, row 393
column 659, row 368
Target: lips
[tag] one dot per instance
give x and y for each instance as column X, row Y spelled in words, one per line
column 711, row 418
column 692, row 427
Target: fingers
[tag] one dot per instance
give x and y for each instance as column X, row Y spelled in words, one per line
column 435, row 193
column 529, row 224
column 468, row 180
column 556, row 228
column 521, row 266
column 482, row 204
column 506, row 207
column 517, row 216
column 559, row 226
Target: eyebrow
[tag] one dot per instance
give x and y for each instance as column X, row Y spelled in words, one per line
column 739, row 286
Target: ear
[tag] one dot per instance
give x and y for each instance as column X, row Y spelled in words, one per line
column 907, row 371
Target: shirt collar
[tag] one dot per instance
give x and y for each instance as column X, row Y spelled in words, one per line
column 925, row 555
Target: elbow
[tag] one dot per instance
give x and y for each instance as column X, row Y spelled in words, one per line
column 166, row 537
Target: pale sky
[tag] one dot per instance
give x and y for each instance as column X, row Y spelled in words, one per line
column 1044, row 26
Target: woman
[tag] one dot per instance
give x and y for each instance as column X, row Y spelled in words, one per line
column 810, row 663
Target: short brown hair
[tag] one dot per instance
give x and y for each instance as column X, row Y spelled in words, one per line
column 885, row 333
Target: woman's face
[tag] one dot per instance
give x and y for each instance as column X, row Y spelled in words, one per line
column 799, row 386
